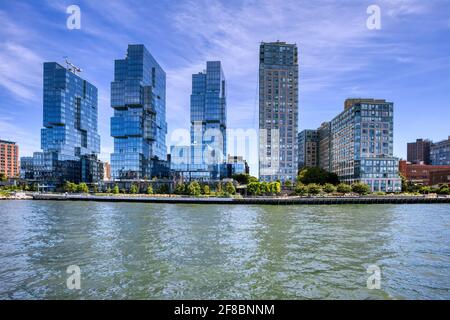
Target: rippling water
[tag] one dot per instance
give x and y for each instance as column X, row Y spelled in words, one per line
column 172, row 251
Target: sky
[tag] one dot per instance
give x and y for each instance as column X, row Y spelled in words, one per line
column 406, row 61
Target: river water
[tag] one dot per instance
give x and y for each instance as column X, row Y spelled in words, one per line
column 176, row 251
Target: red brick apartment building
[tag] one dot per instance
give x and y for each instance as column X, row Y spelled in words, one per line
column 424, row 174
column 9, row 159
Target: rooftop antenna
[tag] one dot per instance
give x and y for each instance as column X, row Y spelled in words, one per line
column 71, row 67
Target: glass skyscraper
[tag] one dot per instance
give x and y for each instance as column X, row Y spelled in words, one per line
column 209, row 116
column 139, row 128
column 70, row 114
column 278, row 111
column 69, row 138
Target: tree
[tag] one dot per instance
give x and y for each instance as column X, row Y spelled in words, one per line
column 2, row 176
column 70, row 187
column 149, row 190
column 163, row 189
column 253, row 179
column 317, row 175
column 361, row 188
column 301, row 189
column 229, row 188
column 405, row 184
column 241, row 178
column 344, row 188
column 253, row 188
column 425, row 190
column 83, row 188
column 115, row 189
column 275, row 187
column 180, row 188
column 443, row 189
column 288, row 184
column 329, row 188
column 194, row 189
column 264, row 187
column 206, row 190
column 133, row 189
column 314, row 189
column 108, row 190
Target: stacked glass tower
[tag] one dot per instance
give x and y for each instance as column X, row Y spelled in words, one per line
column 278, row 111
column 70, row 114
column 209, row 116
column 69, row 138
column 362, row 144
column 139, row 128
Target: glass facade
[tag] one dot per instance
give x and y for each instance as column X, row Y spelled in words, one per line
column 70, row 114
column 308, row 148
column 139, row 128
column 362, row 144
column 209, row 115
column 278, row 111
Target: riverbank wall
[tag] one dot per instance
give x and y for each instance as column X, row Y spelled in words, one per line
column 256, row 200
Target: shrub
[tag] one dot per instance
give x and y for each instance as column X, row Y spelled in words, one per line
column 206, row 190
column 288, row 184
column 163, row 189
column 329, row 188
column 83, row 188
column 108, row 190
column 264, row 187
column 253, row 188
column 133, row 189
column 70, row 187
column 275, row 187
column 425, row 190
column 314, row 189
column 344, row 188
column 443, row 190
column 194, row 189
column 301, row 189
column 149, row 190
column 361, row 188
column 180, row 188
column 115, row 189
column 229, row 188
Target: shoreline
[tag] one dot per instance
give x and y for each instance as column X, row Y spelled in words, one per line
column 245, row 201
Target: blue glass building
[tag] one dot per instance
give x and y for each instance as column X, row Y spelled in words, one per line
column 139, row 128
column 209, row 115
column 70, row 114
column 69, row 139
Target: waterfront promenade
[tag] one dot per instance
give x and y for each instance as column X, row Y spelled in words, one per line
column 254, row 200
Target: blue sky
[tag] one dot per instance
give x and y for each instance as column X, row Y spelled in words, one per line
column 407, row 61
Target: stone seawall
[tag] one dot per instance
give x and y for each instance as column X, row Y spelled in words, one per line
column 256, row 200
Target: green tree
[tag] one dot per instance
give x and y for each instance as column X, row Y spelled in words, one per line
column 443, row 189
column 70, row 187
column 344, row 188
column 317, row 175
column 361, row 188
column 253, row 188
column 194, row 189
column 180, row 188
column 149, row 189
column 116, row 189
column 133, row 189
column 163, row 189
column 108, row 190
column 314, row 189
column 288, row 184
column 264, row 188
column 252, row 179
column 206, row 189
column 329, row 188
column 275, row 187
column 405, row 184
column 301, row 189
column 83, row 188
column 241, row 178
column 2, row 177
column 229, row 188
column 425, row 190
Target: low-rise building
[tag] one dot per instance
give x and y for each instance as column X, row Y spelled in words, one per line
column 421, row 173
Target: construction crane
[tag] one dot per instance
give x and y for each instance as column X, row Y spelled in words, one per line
column 71, row 67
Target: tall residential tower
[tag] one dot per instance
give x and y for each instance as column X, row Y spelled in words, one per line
column 139, row 128
column 278, row 111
